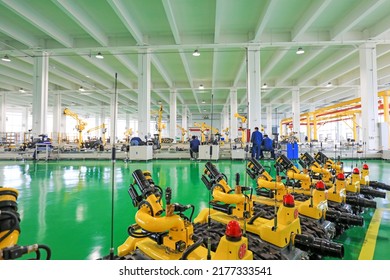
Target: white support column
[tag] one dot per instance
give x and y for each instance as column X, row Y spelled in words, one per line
column 25, row 112
column 233, row 110
column 184, row 121
column 40, row 93
column 113, row 118
column 190, row 120
column 254, row 88
column 296, row 112
column 172, row 115
column 57, row 119
column 3, row 116
column 96, row 120
column 144, row 86
column 269, row 120
column 128, row 121
column 369, row 95
column 100, row 118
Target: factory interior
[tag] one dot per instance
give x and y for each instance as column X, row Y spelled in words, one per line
column 195, row 130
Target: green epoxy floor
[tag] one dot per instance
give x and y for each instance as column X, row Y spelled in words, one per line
column 67, row 204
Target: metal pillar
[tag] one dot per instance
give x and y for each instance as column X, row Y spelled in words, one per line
column 369, row 96
column 3, row 115
column 113, row 120
column 40, row 93
column 144, row 86
column 233, row 110
column 269, row 120
column 172, row 115
column 253, row 87
column 296, row 112
column 57, row 119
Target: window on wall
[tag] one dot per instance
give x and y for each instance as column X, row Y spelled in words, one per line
column 14, row 122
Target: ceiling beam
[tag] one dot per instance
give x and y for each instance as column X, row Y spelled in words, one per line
column 357, row 14
column 121, row 11
column 83, row 19
column 311, row 14
column 27, row 12
column 264, row 18
column 334, row 59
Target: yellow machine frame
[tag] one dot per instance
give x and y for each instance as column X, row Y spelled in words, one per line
column 80, row 126
column 104, row 130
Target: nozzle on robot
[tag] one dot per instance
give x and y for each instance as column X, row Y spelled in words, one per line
column 359, row 201
column 319, row 246
column 372, row 192
column 344, row 218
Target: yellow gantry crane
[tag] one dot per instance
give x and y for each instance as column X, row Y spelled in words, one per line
column 243, row 127
column 104, row 130
column 183, row 132
column 80, row 126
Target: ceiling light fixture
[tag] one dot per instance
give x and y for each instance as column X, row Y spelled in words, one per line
column 196, row 53
column 99, row 55
column 203, row 102
column 300, row 51
column 201, row 87
column 6, row 58
column 81, row 89
column 264, row 86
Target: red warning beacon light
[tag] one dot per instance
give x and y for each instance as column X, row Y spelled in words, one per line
column 233, row 231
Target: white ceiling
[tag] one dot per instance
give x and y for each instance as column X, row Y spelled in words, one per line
column 72, row 32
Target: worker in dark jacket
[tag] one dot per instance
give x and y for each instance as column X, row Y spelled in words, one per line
column 194, row 147
column 267, row 145
column 256, row 139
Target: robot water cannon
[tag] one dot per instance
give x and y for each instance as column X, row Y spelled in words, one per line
column 363, row 189
column 305, row 242
column 310, row 243
column 254, row 169
column 284, row 164
column 364, row 180
column 319, row 173
column 212, row 176
column 146, row 192
column 171, row 236
column 338, row 191
column 321, row 158
column 10, row 229
column 301, row 180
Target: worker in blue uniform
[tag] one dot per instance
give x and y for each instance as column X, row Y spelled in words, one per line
column 256, row 139
column 194, row 147
column 267, row 145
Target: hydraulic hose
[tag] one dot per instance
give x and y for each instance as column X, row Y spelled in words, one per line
column 344, row 218
column 358, row 201
column 190, row 249
column 11, row 226
column 45, row 248
column 319, row 246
